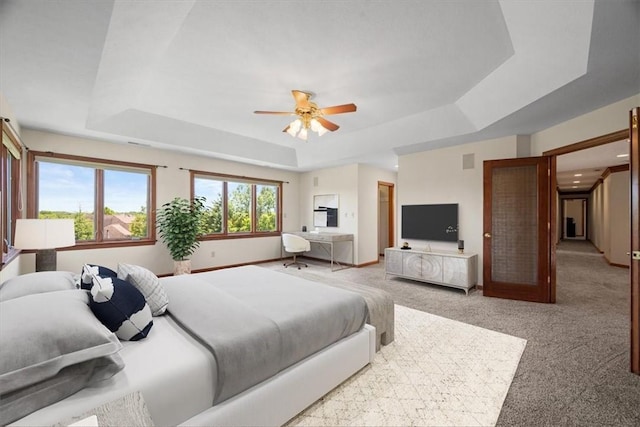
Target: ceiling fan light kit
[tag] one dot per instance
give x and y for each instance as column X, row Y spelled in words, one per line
column 310, row 117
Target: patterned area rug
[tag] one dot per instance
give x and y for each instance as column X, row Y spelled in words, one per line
column 437, row 372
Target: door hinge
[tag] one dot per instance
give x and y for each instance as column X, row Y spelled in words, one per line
column 549, row 279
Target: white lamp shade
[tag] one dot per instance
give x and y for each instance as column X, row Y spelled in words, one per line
column 44, row 233
column 294, row 127
column 317, row 127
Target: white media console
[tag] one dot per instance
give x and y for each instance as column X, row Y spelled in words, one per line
column 441, row 268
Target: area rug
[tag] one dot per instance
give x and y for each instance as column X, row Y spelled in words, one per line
column 437, row 372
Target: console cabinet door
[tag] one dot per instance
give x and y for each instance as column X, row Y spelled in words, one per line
column 456, row 271
column 432, row 268
column 412, row 264
column 393, row 261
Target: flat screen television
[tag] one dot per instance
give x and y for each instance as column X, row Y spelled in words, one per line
column 430, row 222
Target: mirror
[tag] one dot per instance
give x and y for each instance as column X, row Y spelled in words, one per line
column 325, row 210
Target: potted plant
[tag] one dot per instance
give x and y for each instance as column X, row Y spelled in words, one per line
column 178, row 226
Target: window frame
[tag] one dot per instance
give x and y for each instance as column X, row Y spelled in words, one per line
column 98, row 164
column 10, row 190
column 225, row 179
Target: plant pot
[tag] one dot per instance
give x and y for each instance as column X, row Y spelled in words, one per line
column 181, row 267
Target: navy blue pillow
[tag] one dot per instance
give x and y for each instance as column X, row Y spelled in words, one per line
column 120, row 307
column 90, row 270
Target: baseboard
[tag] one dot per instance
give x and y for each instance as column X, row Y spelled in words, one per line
column 220, row 267
column 365, row 264
column 615, row 264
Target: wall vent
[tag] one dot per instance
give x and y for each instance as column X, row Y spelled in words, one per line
column 468, row 161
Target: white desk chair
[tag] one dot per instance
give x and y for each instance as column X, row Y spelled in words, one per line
column 296, row 245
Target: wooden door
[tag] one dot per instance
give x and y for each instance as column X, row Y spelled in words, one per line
column 634, row 172
column 519, row 259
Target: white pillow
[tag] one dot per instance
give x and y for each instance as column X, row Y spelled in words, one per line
column 37, row 283
column 148, row 284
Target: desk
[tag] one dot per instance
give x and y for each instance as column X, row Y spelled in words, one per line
column 326, row 239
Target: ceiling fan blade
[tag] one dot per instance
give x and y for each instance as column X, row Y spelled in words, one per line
column 339, row 109
column 327, row 124
column 302, row 98
column 281, row 113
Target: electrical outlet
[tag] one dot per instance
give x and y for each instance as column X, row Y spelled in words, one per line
column 213, row 254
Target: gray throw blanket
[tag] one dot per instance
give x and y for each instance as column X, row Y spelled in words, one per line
column 257, row 322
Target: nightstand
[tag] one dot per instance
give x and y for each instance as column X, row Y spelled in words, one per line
column 129, row 410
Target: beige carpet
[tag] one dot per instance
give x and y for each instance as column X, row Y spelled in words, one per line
column 437, row 372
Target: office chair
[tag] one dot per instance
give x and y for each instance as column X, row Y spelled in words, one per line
column 295, row 245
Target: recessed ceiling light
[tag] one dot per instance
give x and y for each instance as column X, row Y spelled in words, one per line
column 622, row 155
column 396, row 165
column 578, row 174
column 576, row 182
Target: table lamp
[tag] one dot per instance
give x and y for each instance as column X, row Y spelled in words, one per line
column 44, row 235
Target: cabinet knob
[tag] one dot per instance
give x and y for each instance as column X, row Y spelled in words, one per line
column 487, row 234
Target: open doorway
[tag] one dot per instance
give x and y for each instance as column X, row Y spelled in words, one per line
column 386, row 237
column 592, row 190
column 573, row 214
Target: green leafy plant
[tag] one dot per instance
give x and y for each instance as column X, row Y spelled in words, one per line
column 178, row 226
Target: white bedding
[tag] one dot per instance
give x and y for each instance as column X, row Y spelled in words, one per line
column 168, row 366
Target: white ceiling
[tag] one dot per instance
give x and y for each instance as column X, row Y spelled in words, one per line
column 187, row 75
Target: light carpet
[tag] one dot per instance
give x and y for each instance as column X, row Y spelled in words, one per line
column 437, row 372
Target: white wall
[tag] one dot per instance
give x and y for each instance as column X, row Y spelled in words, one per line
column 171, row 182
column 357, row 188
column 437, row 177
column 342, row 181
column 368, row 220
column 7, row 112
column 599, row 122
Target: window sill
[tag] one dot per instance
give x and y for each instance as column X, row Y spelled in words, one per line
column 9, row 256
column 239, row 236
column 106, row 245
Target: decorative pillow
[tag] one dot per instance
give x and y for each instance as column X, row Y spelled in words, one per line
column 36, row 283
column 89, row 270
column 51, row 346
column 147, row 283
column 121, row 308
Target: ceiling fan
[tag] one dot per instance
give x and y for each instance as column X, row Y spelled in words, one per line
column 310, row 116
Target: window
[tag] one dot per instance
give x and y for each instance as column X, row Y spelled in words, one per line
column 238, row 206
column 10, row 153
column 109, row 201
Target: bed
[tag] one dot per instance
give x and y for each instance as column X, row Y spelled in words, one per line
column 179, row 373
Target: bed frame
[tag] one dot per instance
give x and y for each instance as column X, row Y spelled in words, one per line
column 280, row 398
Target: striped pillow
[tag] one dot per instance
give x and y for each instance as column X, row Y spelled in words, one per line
column 121, row 308
column 147, row 283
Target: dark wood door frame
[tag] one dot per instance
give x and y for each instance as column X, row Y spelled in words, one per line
column 634, row 172
column 391, row 229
